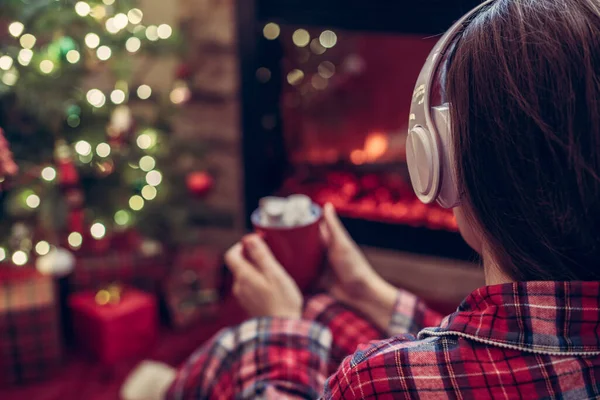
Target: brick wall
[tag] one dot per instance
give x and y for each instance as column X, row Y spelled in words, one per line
column 213, row 114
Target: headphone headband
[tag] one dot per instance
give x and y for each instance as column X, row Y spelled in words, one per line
column 428, row 149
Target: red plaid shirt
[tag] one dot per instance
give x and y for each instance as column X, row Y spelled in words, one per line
column 521, row 340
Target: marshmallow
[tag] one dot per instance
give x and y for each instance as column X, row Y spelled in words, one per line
column 296, row 210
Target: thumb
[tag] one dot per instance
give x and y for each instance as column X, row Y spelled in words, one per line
column 337, row 232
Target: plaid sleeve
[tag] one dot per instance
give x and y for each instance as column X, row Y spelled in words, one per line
column 261, row 358
column 411, row 315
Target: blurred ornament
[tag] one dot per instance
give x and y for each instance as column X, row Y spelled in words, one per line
column 183, row 72
column 199, row 183
column 67, row 173
column 7, row 165
column 58, row 262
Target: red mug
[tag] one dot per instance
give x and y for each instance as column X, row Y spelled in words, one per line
column 299, row 248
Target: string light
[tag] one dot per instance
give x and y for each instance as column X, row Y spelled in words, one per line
column 316, row 47
column 319, row 82
column 6, row 62
column 144, row 92
column 83, row 9
column 149, row 192
column 136, row 203
column 16, row 29
column 152, row 33
column 111, row 26
column 98, row 230
column 92, row 40
column 117, row 96
column 146, row 140
column 75, row 240
column 73, row 121
column 295, row 76
column 104, row 53
column 83, row 148
column 180, row 95
column 165, row 31
column 2, row 254
column 33, row 201
column 27, row 41
column 103, row 149
column 271, row 31
column 154, row 178
column 48, row 174
column 121, row 21
column 301, row 37
column 328, row 39
column 147, row 163
column 42, row 248
column 133, row 44
column 10, row 77
column 96, row 98
column 46, row 66
column 135, row 16
column 25, row 56
column 20, row 258
column 326, row 69
column 73, row 56
column 139, row 30
column 108, row 2
column 122, row 217
column 98, row 12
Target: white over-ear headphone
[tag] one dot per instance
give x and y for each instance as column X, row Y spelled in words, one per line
column 429, row 153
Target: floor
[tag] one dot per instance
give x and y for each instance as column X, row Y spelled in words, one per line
column 82, row 378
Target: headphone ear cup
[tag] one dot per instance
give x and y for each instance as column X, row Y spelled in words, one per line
column 449, row 195
column 423, row 160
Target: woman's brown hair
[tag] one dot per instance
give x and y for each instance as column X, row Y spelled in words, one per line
column 523, row 80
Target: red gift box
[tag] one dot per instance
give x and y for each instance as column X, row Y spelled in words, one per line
column 131, row 267
column 191, row 291
column 30, row 334
column 115, row 332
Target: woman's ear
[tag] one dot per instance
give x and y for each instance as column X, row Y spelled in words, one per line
column 468, row 230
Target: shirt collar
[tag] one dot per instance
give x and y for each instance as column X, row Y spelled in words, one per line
column 543, row 317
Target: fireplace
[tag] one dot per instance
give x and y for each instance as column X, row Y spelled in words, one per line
column 326, row 94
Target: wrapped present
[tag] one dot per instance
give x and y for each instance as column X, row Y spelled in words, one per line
column 30, row 334
column 191, row 290
column 130, row 260
column 114, row 324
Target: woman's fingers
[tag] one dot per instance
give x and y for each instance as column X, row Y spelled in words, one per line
column 260, row 254
column 239, row 266
column 337, row 231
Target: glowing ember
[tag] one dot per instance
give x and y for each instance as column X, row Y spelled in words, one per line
column 376, row 145
column 377, row 197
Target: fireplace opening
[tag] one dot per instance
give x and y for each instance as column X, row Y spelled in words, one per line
column 331, row 110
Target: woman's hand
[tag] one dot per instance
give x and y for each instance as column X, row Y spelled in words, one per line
column 261, row 284
column 356, row 283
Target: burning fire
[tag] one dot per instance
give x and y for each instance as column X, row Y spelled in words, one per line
column 377, row 197
column 376, row 145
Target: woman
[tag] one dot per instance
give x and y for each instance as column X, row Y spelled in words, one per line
column 523, row 81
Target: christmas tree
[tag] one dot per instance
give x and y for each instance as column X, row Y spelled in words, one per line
column 92, row 139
